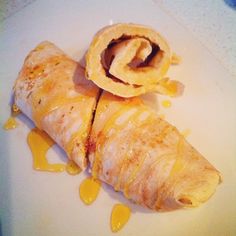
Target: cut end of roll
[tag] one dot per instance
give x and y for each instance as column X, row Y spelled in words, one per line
column 191, row 195
column 129, row 60
column 196, row 193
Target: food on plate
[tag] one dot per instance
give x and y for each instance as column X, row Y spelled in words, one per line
column 129, row 60
column 126, row 144
column 52, row 91
column 146, row 158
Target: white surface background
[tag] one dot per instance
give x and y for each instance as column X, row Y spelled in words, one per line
column 35, row 203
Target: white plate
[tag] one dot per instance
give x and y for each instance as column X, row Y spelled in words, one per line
column 39, row 203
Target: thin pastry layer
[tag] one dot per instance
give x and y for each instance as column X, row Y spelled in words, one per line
column 146, row 158
column 52, row 91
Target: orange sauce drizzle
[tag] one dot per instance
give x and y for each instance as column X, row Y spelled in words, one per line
column 135, row 120
column 119, row 217
column 52, row 92
column 116, row 127
column 111, row 124
column 72, row 168
column 168, row 87
column 175, row 59
column 122, row 168
column 166, row 103
column 89, row 190
column 101, row 141
column 41, row 111
column 10, row 123
column 133, row 176
column 178, row 165
column 39, row 143
column 138, row 167
column 15, row 110
column 81, row 134
column 117, row 186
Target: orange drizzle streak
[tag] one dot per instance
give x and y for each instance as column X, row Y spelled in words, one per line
column 166, row 103
column 175, row 59
column 177, row 166
column 39, row 143
column 15, row 110
column 102, row 139
column 10, row 123
column 134, row 172
column 72, row 168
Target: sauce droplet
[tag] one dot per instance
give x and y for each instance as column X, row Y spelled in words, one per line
column 72, row 168
column 89, row 190
column 10, row 123
column 166, row 103
column 175, row 59
column 186, row 132
column 119, row 217
column 39, row 143
column 15, row 110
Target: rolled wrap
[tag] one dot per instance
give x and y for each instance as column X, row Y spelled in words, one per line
column 52, row 91
column 146, row 158
column 129, row 60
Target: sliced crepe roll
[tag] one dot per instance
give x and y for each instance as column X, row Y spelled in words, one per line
column 129, row 60
column 52, row 91
column 146, row 158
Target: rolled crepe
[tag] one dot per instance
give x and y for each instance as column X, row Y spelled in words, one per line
column 129, row 60
column 52, row 91
column 146, row 158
